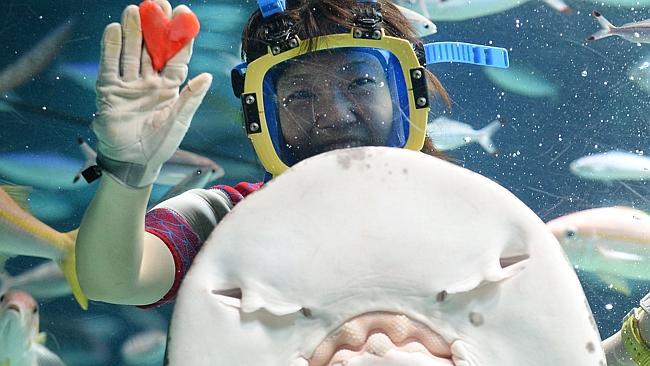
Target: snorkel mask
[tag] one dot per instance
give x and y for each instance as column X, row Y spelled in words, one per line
column 376, row 83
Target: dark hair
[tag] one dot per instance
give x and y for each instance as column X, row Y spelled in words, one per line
column 314, row 18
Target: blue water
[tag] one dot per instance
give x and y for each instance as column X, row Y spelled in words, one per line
column 597, row 110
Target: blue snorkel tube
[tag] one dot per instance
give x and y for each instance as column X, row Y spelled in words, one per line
column 467, row 53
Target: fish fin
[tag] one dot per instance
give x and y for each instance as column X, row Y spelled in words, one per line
column 606, row 30
column 486, row 133
column 3, row 260
column 5, row 106
column 90, row 157
column 618, row 255
column 20, row 195
column 196, row 179
column 559, row 5
column 45, row 357
column 424, row 9
column 5, row 278
column 620, row 285
column 68, row 267
column 41, row 338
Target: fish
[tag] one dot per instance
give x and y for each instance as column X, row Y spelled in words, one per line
column 198, row 179
column 145, row 348
column 637, row 32
column 40, row 169
column 611, row 242
column 422, row 25
column 623, row 3
column 23, row 234
column 212, row 17
column 176, row 170
column 455, row 10
column 5, row 107
column 216, row 62
column 448, row 134
column 434, row 273
column 639, row 74
column 54, row 206
column 612, row 166
column 21, row 344
column 36, row 59
column 83, row 74
column 522, row 80
column 44, row 281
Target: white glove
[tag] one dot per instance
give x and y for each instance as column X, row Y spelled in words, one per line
column 141, row 117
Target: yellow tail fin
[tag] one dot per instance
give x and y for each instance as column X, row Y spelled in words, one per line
column 19, row 194
column 68, row 266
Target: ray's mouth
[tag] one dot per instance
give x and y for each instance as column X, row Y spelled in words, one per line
column 13, row 307
column 379, row 333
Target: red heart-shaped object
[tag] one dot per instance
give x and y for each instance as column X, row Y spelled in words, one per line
column 164, row 37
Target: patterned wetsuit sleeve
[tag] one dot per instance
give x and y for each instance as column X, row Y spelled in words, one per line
column 239, row 191
column 184, row 222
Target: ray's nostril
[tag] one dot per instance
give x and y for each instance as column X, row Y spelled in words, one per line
column 512, row 260
column 232, row 292
column 442, row 296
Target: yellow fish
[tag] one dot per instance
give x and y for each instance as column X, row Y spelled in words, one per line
column 23, row 234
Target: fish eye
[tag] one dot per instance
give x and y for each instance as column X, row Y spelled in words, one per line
column 35, row 310
column 570, row 233
column 2, row 298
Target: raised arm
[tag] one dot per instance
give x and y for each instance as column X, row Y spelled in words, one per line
column 140, row 122
column 637, row 322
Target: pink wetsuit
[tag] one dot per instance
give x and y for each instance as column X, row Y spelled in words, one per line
column 185, row 221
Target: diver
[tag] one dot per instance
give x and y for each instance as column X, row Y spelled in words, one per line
column 327, row 74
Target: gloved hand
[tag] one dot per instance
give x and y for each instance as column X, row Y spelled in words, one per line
column 141, row 117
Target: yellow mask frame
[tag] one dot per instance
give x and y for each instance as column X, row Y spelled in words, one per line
column 253, row 95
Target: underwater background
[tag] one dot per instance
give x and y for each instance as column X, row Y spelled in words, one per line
column 594, row 108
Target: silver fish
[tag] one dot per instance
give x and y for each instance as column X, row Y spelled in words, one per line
column 637, row 32
column 448, row 134
column 611, row 166
column 422, row 25
column 176, row 170
column 45, row 281
column 145, row 349
column 32, row 62
column 20, row 341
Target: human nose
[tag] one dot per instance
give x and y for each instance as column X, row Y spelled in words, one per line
column 333, row 108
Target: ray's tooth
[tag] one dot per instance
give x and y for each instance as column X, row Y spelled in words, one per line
column 323, row 353
column 400, row 328
column 413, row 347
column 432, row 341
column 377, row 333
column 300, row 362
column 378, row 344
column 353, row 333
column 341, row 357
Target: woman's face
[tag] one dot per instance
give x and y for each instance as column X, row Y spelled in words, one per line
column 334, row 100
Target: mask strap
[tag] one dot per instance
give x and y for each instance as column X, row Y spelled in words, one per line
column 466, row 53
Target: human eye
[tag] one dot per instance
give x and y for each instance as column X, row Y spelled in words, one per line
column 298, row 96
column 362, row 82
